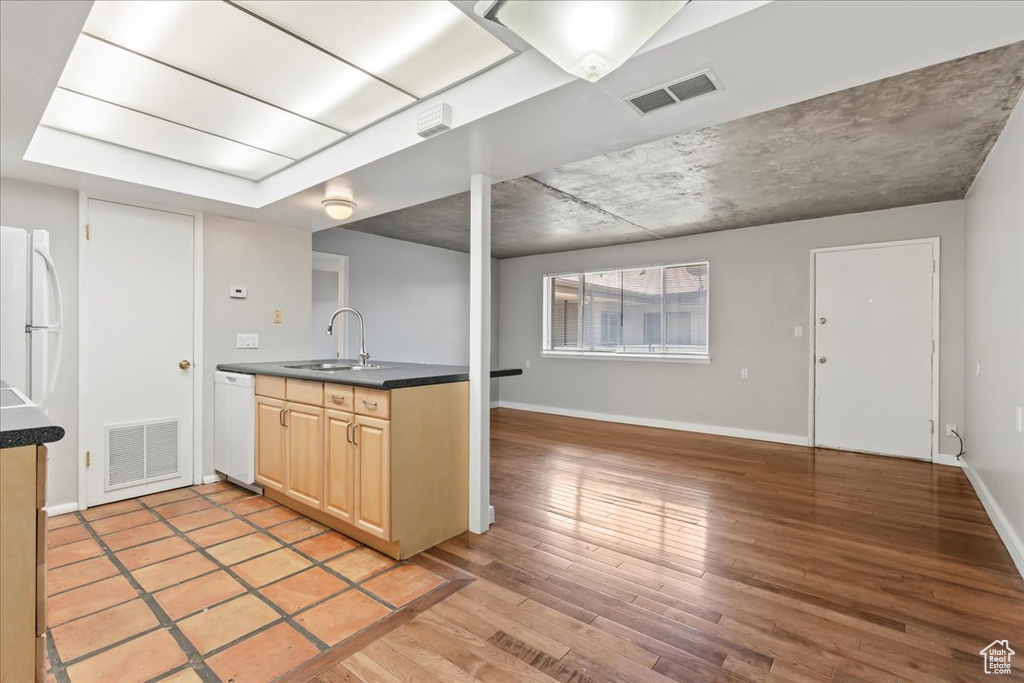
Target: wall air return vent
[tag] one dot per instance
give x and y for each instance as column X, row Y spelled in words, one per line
column 672, row 93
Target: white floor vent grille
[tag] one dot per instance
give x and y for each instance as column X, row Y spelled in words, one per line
column 141, row 452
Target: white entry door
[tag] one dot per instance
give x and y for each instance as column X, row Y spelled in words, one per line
column 873, row 348
column 137, row 350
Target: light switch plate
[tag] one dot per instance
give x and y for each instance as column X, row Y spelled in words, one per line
column 247, row 341
column 798, row 331
column 277, row 316
column 744, row 374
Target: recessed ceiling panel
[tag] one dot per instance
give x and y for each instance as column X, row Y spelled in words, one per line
column 110, row 73
column 222, row 43
column 422, row 46
column 100, row 120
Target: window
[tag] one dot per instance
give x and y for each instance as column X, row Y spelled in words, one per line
column 654, row 312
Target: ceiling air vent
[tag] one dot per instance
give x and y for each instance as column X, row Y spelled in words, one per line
column 675, row 92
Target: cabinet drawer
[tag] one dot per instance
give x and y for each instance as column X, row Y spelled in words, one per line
column 271, row 387
column 304, row 391
column 373, row 402
column 338, row 397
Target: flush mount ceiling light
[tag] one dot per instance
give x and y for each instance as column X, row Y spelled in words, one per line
column 587, row 38
column 339, row 209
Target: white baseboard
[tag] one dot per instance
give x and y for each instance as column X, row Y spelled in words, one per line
column 212, row 478
column 792, row 439
column 61, row 509
column 947, row 459
column 999, row 521
column 495, row 404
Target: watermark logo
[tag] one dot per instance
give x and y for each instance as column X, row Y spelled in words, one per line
column 997, row 657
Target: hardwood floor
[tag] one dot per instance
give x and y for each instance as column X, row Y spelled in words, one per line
column 626, row 553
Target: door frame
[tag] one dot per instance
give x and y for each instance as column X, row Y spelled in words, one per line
column 337, row 263
column 936, row 272
column 197, row 336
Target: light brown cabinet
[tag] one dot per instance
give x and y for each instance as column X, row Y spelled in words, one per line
column 22, row 563
column 304, row 456
column 339, row 488
column 270, row 442
column 372, row 478
column 388, row 468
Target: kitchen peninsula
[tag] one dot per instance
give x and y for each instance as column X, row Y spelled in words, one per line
column 379, row 452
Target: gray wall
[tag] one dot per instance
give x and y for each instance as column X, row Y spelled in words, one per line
column 325, row 302
column 414, row 298
column 759, row 291
column 275, row 264
column 995, row 333
column 43, row 207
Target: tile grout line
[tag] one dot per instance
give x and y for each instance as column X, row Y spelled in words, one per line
column 198, row 661
column 163, row 619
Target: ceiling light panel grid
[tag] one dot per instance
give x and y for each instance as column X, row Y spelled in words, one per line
column 124, row 78
column 248, row 88
column 420, row 46
column 219, row 42
column 103, row 121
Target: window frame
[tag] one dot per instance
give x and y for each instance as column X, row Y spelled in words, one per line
column 582, row 353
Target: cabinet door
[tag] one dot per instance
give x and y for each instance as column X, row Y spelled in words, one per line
column 339, row 468
column 373, row 477
column 304, row 479
column 270, row 444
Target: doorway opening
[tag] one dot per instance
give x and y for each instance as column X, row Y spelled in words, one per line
column 875, row 348
column 330, row 292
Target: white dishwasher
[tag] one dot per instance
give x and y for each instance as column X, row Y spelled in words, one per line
column 234, row 417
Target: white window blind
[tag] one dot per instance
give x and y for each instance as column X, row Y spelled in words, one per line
column 654, row 311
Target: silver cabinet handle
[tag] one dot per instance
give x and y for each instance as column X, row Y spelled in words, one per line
column 370, row 404
column 348, row 432
column 280, row 417
column 821, row 359
column 355, row 434
column 338, row 399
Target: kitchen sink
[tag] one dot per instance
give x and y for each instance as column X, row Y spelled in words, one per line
column 333, row 367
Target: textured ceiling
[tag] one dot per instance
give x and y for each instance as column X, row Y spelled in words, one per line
column 914, row 138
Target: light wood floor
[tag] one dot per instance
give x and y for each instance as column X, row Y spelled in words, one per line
column 633, row 554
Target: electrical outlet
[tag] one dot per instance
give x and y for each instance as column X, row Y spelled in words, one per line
column 247, row 341
column 798, row 331
column 277, row 316
column 744, row 374
column 950, row 428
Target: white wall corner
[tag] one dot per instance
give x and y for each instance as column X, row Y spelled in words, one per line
column 947, row 459
column 999, row 521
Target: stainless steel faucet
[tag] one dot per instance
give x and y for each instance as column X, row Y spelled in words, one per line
column 363, row 355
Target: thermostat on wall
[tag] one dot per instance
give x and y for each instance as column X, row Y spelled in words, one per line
column 238, row 292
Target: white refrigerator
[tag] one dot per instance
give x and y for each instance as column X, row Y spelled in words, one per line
column 31, row 313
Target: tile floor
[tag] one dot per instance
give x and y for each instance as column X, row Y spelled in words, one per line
column 209, row 583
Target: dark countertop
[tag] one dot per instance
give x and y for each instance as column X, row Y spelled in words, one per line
column 26, row 425
column 392, row 376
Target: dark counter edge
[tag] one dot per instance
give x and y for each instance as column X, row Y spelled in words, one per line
column 333, row 378
column 33, row 436
column 26, row 426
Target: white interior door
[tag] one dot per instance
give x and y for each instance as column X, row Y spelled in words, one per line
column 873, row 349
column 137, row 350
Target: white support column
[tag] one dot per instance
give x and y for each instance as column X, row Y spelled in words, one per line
column 479, row 353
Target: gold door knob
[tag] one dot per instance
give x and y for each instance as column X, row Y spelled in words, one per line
column 184, row 364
